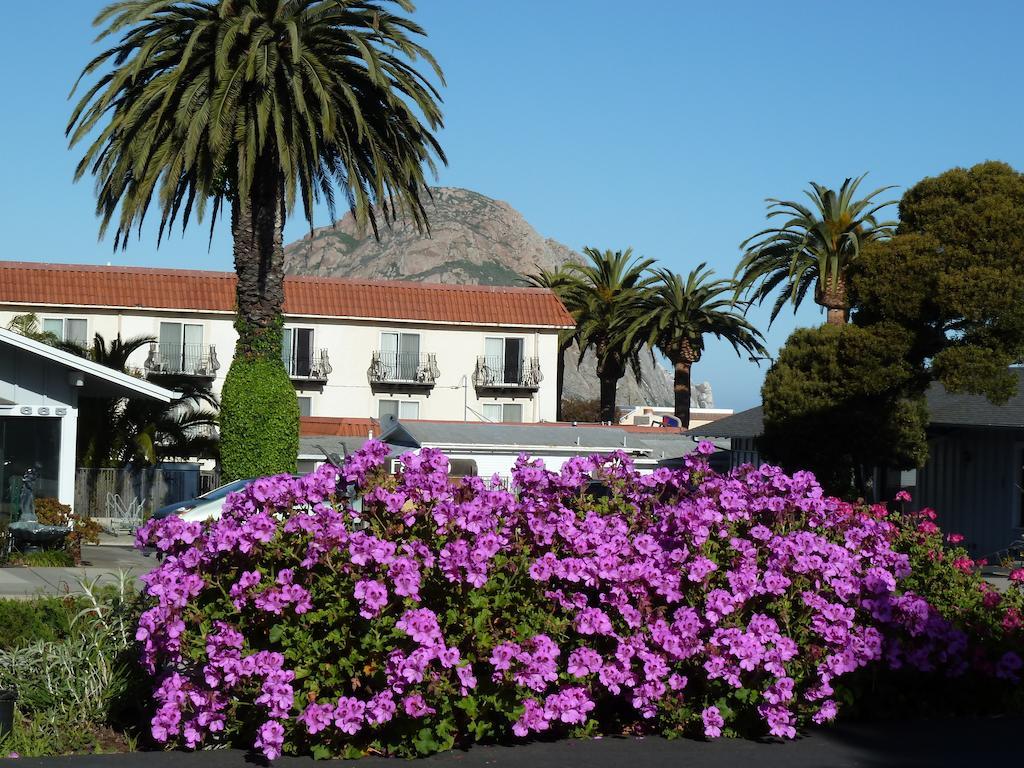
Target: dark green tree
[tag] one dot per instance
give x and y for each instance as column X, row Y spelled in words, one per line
column 251, row 107
column 836, row 403
column 676, row 314
column 953, row 279
column 813, row 247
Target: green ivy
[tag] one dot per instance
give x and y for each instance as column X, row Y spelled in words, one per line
column 259, row 419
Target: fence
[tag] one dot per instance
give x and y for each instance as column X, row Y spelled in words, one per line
column 121, row 499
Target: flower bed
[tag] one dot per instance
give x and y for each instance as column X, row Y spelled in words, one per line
column 444, row 612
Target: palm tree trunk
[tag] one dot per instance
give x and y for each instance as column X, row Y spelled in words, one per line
column 681, row 390
column 833, row 298
column 257, row 227
column 608, row 387
column 836, row 316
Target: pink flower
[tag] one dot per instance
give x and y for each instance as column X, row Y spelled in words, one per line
column 713, row 722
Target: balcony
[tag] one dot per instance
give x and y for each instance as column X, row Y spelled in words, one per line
column 313, row 366
column 502, row 373
column 389, row 368
column 198, row 360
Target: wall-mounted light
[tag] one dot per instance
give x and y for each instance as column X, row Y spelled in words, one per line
column 76, row 379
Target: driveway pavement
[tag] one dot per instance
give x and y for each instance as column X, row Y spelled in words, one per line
column 101, row 562
column 934, row 743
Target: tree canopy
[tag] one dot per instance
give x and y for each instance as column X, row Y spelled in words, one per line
column 836, row 403
column 952, row 279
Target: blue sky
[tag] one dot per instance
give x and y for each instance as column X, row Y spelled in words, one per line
column 661, row 126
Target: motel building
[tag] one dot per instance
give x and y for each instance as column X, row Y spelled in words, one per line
column 382, row 350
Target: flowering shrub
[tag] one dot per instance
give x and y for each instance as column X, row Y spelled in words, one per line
column 444, row 612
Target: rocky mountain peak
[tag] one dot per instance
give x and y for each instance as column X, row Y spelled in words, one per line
column 473, row 239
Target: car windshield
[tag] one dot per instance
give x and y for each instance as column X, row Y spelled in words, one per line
column 224, row 490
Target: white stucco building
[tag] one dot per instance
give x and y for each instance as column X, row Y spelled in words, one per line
column 353, row 348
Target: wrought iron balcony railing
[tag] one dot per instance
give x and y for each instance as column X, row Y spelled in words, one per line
column 502, row 373
column 315, row 366
column 182, row 360
column 388, row 367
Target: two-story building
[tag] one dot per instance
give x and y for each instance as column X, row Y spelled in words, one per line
column 353, row 348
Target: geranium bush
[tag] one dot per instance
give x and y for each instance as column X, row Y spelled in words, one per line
column 594, row 599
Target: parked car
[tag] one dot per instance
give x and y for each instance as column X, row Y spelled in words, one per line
column 217, row 494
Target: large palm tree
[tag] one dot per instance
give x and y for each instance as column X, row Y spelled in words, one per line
column 814, row 246
column 677, row 313
column 605, row 300
column 250, row 107
column 562, row 282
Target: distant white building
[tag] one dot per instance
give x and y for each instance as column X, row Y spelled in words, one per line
column 493, row 449
column 353, row 348
column 662, row 415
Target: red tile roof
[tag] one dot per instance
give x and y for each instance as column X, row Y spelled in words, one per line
column 316, row 426
column 82, row 285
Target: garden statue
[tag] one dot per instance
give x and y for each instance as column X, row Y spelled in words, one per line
column 28, row 533
column 27, row 499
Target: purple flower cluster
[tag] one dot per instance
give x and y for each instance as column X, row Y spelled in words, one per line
column 681, row 586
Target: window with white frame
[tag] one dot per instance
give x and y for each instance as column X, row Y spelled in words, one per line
column 305, row 406
column 400, row 355
column 399, row 409
column 181, row 347
column 503, row 358
column 507, row 412
column 297, row 351
column 70, row 329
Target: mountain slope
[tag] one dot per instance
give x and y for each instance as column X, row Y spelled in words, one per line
column 474, row 239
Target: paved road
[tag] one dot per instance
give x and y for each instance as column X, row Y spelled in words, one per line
column 102, row 562
column 931, row 744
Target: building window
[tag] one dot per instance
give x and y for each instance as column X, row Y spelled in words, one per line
column 181, row 347
column 461, row 467
column 30, row 448
column 399, row 409
column 507, row 412
column 70, row 329
column 305, row 406
column 400, row 355
column 297, row 351
column 504, row 359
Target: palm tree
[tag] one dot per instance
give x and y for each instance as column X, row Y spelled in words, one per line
column 28, row 325
column 562, row 282
column 815, row 246
column 119, row 431
column 675, row 316
column 250, row 107
column 605, row 299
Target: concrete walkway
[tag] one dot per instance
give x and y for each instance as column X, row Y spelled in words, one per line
column 916, row 744
column 101, row 562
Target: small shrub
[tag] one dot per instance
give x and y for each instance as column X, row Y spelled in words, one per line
column 83, row 528
column 76, row 687
column 44, row 619
column 43, row 558
column 259, row 418
column 443, row 612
